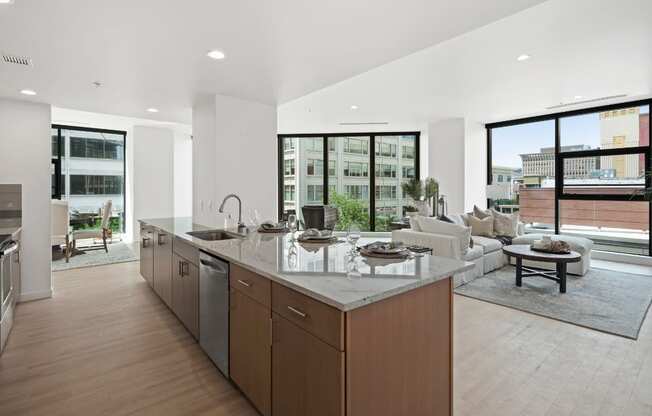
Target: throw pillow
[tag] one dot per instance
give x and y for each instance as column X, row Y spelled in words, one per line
column 480, row 213
column 435, row 226
column 482, row 227
column 506, row 224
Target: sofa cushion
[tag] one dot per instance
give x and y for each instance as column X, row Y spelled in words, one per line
column 482, row 227
column 473, row 253
column 505, row 224
column 481, row 213
column 435, row 226
column 414, row 224
column 459, row 219
column 579, row 244
column 488, row 245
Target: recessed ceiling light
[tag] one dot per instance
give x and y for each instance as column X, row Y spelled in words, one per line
column 153, row 110
column 523, row 57
column 215, row 54
column 354, row 107
column 578, row 97
column 6, row 1
column 28, row 92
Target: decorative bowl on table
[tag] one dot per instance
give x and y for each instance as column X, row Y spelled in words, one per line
column 550, row 246
column 385, row 250
column 272, row 227
column 315, row 236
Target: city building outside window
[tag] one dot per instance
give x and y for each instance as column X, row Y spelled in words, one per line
column 315, row 193
column 356, row 169
column 289, row 192
column 355, row 145
column 357, row 191
column 315, row 167
column 289, row 167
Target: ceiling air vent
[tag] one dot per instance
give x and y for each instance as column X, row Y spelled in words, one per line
column 16, row 60
column 370, row 123
column 593, row 100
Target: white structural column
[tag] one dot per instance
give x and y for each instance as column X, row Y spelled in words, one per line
column 153, row 173
column 234, row 151
column 457, row 159
column 25, row 155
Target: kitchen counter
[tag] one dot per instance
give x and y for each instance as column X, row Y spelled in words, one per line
column 319, row 271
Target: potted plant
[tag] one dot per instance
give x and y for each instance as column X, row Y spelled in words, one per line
column 422, row 192
column 410, row 211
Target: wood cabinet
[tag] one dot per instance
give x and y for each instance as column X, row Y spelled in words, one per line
column 185, row 293
column 250, row 346
column 147, row 254
column 163, row 266
column 308, row 374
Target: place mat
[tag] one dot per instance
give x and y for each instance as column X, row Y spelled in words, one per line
column 315, row 241
column 370, row 253
column 273, row 230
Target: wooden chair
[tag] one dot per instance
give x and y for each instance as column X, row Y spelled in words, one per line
column 60, row 226
column 104, row 232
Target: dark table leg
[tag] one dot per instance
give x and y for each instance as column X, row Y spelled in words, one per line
column 561, row 274
column 519, row 271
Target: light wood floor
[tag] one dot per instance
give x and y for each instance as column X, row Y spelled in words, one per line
column 105, row 344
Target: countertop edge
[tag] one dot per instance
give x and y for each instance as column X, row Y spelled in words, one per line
column 280, row 280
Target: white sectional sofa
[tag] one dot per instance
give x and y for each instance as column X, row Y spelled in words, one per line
column 487, row 253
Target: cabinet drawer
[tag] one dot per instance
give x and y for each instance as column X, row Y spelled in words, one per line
column 186, row 250
column 321, row 320
column 249, row 283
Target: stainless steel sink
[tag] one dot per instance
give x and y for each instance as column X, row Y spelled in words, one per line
column 213, row 235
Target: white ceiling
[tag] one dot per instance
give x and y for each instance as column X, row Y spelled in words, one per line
column 151, row 53
column 588, row 48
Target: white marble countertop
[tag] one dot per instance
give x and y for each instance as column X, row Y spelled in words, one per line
column 326, row 273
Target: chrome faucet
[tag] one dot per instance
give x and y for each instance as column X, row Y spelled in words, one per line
column 241, row 225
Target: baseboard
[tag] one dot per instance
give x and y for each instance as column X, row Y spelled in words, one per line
column 622, row 258
column 30, row 296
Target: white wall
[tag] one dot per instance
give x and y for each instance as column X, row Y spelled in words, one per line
column 204, row 145
column 475, row 160
column 25, row 156
column 183, row 169
column 153, row 175
column 234, row 151
column 446, row 160
column 182, row 175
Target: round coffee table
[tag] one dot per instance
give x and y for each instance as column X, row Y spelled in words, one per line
column 524, row 252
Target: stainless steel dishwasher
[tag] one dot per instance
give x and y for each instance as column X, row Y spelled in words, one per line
column 214, row 309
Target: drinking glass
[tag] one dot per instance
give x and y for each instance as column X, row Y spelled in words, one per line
column 292, row 225
column 353, row 235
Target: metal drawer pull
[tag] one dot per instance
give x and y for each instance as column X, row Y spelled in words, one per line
column 185, row 269
column 298, row 312
column 243, row 283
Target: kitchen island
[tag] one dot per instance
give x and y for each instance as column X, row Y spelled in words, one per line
column 314, row 330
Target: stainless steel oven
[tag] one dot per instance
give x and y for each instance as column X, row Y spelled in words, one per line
column 7, row 250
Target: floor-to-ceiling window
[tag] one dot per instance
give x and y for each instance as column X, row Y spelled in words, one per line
column 88, row 169
column 599, row 156
column 359, row 173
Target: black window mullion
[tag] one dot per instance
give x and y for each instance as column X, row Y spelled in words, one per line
column 372, row 183
column 559, row 174
column 325, row 171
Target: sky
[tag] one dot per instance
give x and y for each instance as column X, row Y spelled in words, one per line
column 508, row 143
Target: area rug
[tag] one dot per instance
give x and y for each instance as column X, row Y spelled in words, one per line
column 118, row 253
column 603, row 300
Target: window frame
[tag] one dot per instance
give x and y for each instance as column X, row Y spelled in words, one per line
column 371, row 163
column 561, row 156
column 59, row 128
